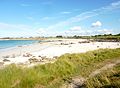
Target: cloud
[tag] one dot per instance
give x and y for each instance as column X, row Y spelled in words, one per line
column 104, row 31
column 80, row 32
column 85, row 15
column 46, row 18
column 30, row 18
column 41, row 31
column 25, row 5
column 97, row 24
column 66, row 12
column 89, row 32
column 72, row 20
column 16, row 30
column 75, row 28
column 6, row 26
column 115, row 3
column 56, row 28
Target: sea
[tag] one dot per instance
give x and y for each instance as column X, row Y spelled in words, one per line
column 7, row 44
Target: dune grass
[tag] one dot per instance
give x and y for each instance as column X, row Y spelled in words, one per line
column 106, row 79
column 53, row 75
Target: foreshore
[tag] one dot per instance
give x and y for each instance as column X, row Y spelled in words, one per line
column 45, row 52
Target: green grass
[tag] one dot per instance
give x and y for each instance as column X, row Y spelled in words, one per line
column 106, row 79
column 54, row 75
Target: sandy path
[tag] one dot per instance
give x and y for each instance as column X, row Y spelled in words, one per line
column 107, row 66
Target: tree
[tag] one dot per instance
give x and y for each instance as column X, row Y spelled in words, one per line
column 59, row 36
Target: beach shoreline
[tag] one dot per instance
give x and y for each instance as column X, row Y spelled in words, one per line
column 50, row 50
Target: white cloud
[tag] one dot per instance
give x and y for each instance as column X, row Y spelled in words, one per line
column 41, row 30
column 85, row 15
column 72, row 20
column 54, row 29
column 16, row 30
column 75, row 28
column 66, row 12
column 86, row 31
column 30, row 18
column 46, row 18
column 80, row 32
column 115, row 3
column 25, row 5
column 5, row 26
column 104, row 31
column 97, row 24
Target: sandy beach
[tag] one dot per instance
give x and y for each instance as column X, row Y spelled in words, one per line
column 45, row 52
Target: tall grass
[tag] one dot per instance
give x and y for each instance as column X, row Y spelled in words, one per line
column 54, row 75
column 106, row 79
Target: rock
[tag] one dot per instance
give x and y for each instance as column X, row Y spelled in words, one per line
column 27, row 55
column 98, row 46
column 72, row 43
column 6, row 60
column 40, row 56
column 6, row 56
column 55, row 57
column 84, row 42
column 77, row 82
column 43, row 58
column 33, row 60
column 64, row 44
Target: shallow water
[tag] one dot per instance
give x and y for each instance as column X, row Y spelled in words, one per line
column 4, row 44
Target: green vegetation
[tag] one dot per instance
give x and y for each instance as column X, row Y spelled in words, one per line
column 106, row 79
column 56, row 74
column 107, row 37
column 115, row 37
column 104, row 37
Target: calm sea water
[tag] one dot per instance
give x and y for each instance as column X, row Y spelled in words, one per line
column 4, row 44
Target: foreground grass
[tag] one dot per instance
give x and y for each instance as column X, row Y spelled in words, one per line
column 54, row 75
column 106, row 79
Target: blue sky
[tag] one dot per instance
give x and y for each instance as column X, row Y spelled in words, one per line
column 24, row 18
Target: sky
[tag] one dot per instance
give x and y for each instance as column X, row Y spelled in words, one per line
column 26, row 18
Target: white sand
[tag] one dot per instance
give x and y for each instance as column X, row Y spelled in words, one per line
column 54, row 48
column 17, row 51
column 59, row 50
